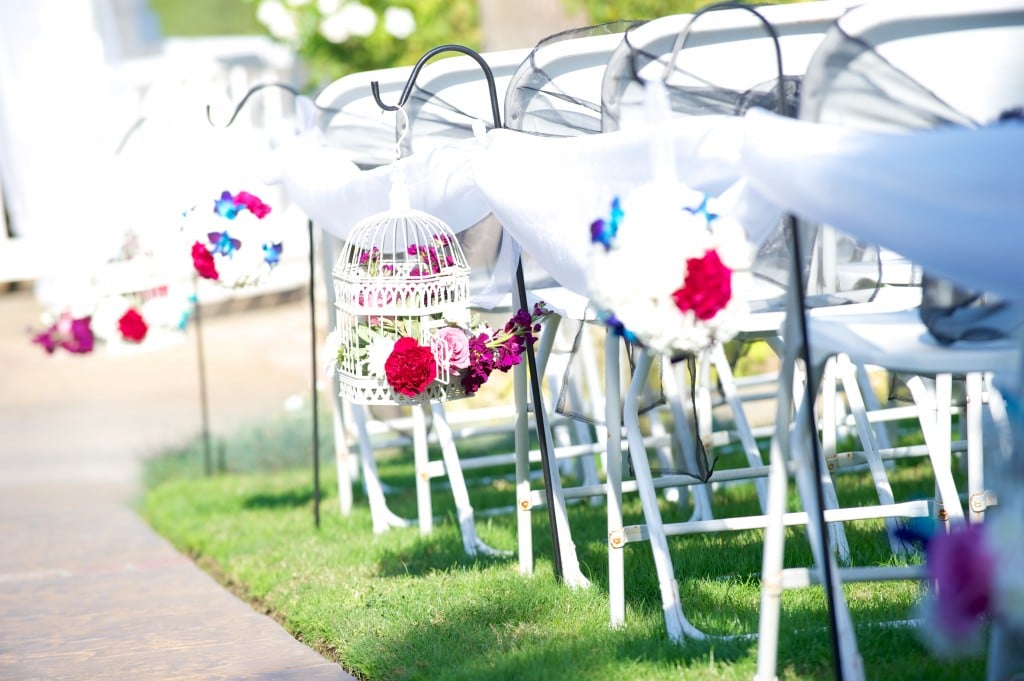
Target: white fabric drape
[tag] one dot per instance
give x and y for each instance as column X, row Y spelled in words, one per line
column 949, row 199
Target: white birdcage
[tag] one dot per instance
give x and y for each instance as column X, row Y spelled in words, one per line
column 402, row 273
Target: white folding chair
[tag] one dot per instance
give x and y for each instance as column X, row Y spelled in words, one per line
column 925, row 41
column 368, row 133
column 728, row 64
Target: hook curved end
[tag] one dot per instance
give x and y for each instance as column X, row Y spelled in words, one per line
column 375, row 89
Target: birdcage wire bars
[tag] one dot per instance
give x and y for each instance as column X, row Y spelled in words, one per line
column 401, row 274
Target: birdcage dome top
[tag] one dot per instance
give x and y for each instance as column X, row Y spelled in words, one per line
column 402, row 245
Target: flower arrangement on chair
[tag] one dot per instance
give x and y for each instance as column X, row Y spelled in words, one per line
column 667, row 270
column 405, row 332
column 128, row 301
column 975, row 578
column 234, row 247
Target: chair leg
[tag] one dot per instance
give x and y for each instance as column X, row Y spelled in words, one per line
column 524, row 525
column 676, row 624
column 421, row 461
column 975, row 447
column 797, row 444
column 847, row 375
column 938, row 449
column 342, row 454
column 746, row 435
column 684, row 418
column 613, row 482
column 381, row 516
column 774, row 546
column 471, row 542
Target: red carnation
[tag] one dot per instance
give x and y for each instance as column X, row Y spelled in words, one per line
column 253, row 203
column 410, row 367
column 202, row 260
column 707, row 287
column 133, row 327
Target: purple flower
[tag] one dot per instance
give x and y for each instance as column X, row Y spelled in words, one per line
column 481, row 364
column 74, row 335
column 961, row 565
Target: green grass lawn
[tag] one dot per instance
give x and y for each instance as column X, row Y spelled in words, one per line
column 399, row 605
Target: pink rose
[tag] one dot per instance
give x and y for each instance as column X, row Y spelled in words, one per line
column 457, row 342
column 410, row 367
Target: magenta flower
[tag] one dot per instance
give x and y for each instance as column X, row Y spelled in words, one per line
column 410, row 368
column 252, row 203
column 707, row 287
column 961, row 566
column 74, row 335
column 481, row 364
column 202, row 260
column 133, row 326
column 502, row 351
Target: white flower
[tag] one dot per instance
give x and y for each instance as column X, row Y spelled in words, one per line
column 328, row 6
column 399, row 22
column 278, row 20
column 331, row 347
column 457, row 314
column 353, row 19
column 377, row 355
column 663, row 226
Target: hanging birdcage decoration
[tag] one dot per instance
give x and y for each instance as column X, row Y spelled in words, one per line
column 402, row 297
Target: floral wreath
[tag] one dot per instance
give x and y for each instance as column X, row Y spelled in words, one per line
column 133, row 304
column 666, row 269
column 221, row 254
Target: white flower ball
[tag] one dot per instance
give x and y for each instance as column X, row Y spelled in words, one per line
column 399, row 22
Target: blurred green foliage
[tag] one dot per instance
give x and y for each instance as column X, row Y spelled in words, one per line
column 206, row 17
column 436, row 22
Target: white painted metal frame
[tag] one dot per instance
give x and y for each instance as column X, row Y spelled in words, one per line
column 930, row 37
column 735, row 45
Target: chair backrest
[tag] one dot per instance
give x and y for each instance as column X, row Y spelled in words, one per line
column 726, row 66
column 556, row 90
column 449, row 95
column 728, row 62
column 912, row 65
column 918, row 63
column 356, row 123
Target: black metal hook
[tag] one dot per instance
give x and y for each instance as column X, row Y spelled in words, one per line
column 801, row 294
column 407, row 90
column 253, row 90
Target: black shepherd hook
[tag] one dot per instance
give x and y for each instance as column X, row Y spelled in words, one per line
column 312, row 306
column 409, row 84
column 798, row 282
column 253, row 90
column 531, row 357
